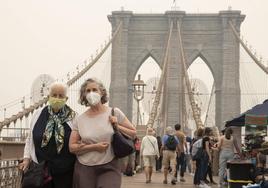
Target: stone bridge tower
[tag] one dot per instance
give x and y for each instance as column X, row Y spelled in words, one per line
column 207, row 36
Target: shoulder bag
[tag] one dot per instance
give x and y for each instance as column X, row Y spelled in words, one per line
column 36, row 176
column 121, row 144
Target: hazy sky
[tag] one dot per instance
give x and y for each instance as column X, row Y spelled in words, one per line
column 54, row 36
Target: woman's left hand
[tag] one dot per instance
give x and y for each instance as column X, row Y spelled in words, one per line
column 113, row 120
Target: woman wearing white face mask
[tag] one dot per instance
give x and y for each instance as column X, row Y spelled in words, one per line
column 49, row 139
column 90, row 139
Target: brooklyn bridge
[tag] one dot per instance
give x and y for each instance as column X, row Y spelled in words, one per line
column 174, row 41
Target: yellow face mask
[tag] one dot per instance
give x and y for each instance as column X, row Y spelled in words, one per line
column 56, row 103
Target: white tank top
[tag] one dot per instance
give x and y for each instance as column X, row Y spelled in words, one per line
column 227, row 144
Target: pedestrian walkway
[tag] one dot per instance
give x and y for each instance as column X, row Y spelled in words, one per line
column 138, row 181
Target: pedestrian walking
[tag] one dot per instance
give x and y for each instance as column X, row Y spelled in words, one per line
column 170, row 144
column 158, row 162
column 180, row 157
column 91, row 138
column 48, row 140
column 149, row 152
column 226, row 147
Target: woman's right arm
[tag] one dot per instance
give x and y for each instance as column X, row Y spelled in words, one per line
column 29, row 143
column 77, row 147
column 236, row 146
column 24, row 165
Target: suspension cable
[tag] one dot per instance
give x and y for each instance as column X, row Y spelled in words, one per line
column 196, row 114
column 43, row 101
column 161, row 81
column 255, row 59
column 82, row 72
column 209, row 103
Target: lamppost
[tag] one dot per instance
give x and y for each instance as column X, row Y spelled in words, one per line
column 138, row 88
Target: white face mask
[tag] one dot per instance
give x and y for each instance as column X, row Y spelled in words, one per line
column 93, row 98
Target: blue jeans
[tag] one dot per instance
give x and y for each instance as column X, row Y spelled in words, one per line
column 201, row 169
column 197, row 173
column 188, row 162
column 225, row 155
column 181, row 164
column 204, row 166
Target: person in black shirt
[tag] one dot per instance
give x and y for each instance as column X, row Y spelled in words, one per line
column 206, row 158
column 49, row 139
column 158, row 162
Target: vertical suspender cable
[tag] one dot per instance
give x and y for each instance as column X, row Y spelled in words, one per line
column 196, row 114
column 209, row 103
column 161, row 81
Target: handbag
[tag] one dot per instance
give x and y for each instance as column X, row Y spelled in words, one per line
column 199, row 154
column 36, row 176
column 121, row 144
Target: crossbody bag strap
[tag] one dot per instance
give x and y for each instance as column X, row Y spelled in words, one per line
column 113, row 124
column 151, row 142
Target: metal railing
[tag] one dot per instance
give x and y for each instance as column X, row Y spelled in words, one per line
column 14, row 134
column 10, row 175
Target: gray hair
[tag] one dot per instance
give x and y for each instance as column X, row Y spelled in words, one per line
column 82, row 98
column 56, row 84
column 169, row 130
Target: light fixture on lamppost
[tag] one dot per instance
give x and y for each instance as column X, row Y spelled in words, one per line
column 138, row 89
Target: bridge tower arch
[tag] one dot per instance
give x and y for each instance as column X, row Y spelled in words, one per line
column 206, row 35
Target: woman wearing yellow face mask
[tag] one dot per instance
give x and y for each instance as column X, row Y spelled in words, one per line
column 49, row 138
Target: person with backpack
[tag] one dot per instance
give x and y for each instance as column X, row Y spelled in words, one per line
column 170, row 144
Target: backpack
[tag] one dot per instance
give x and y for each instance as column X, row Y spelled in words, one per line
column 196, row 145
column 171, row 143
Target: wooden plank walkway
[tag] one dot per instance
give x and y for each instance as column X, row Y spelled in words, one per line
column 138, row 181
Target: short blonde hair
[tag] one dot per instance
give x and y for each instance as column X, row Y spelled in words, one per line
column 169, row 130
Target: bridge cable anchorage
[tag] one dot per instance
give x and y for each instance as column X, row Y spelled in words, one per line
column 160, row 86
column 247, row 49
column 196, row 113
column 71, row 81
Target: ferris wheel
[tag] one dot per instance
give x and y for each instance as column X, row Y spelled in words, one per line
column 40, row 87
column 149, row 93
column 201, row 94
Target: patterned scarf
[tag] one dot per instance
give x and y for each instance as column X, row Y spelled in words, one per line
column 55, row 122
